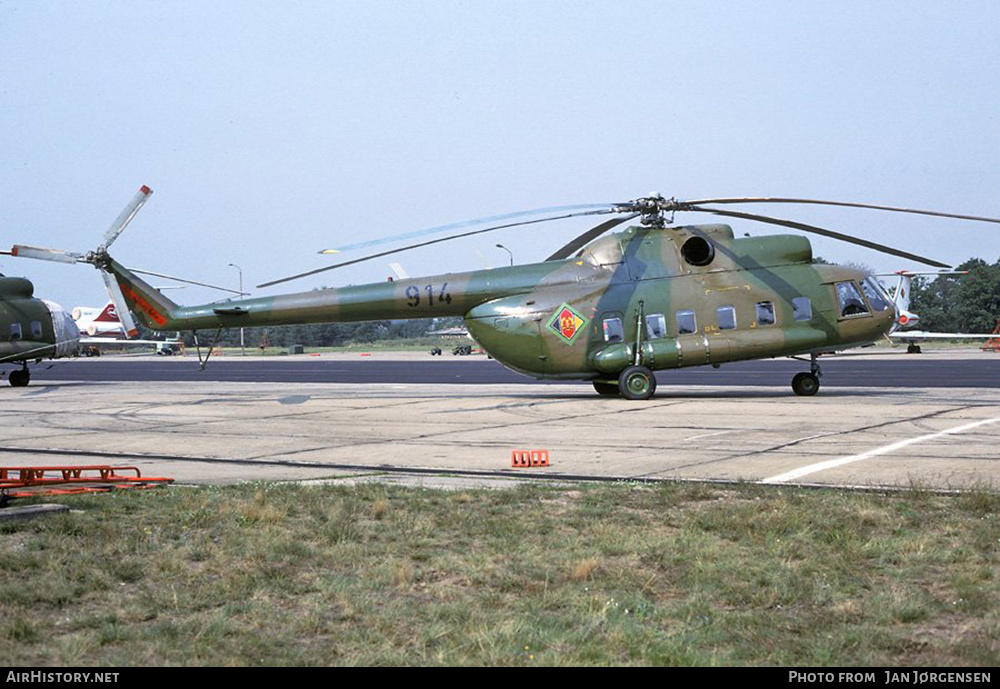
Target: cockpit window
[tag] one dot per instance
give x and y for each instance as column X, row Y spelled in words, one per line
column 849, row 300
column 876, row 297
column 802, row 309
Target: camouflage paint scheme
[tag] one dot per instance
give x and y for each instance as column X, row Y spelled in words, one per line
column 546, row 319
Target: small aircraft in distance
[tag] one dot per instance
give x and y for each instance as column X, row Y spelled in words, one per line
column 104, row 330
column 99, row 322
column 607, row 309
column 905, row 319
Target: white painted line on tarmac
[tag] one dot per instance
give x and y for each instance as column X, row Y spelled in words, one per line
column 831, row 463
column 705, row 435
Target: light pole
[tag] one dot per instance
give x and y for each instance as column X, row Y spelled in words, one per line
column 242, row 345
column 501, row 246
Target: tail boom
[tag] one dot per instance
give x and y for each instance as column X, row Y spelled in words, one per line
column 453, row 294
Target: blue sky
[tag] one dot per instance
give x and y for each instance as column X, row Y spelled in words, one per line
column 269, row 131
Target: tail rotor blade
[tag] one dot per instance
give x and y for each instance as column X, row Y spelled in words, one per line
column 122, row 221
column 124, row 315
column 42, row 254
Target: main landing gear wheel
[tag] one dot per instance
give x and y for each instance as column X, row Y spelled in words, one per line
column 805, row 384
column 637, row 383
column 607, row 389
column 20, row 378
column 913, row 349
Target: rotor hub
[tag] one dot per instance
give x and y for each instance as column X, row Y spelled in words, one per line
column 98, row 258
column 653, row 210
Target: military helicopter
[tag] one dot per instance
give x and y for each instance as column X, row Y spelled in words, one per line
column 32, row 329
column 608, row 309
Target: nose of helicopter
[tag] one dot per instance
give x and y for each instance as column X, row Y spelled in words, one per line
column 888, row 321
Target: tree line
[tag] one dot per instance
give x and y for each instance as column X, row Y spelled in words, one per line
column 959, row 303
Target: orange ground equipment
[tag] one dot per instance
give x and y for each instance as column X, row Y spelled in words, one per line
column 993, row 344
column 529, row 458
column 27, row 482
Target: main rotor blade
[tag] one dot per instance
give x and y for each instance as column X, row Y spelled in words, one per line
column 22, row 251
column 190, row 282
column 602, row 211
column 465, row 223
column 843, row 204
column 824, row 232
column 582, row 240
column 125, row 217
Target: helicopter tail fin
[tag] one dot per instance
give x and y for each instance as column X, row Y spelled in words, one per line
column 902, row 292
column 150, row 306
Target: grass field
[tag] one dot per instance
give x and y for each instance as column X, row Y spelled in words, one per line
column 670, row 574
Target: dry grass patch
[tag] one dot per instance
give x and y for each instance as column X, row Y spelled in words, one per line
column 622, row 574
column 585, row 570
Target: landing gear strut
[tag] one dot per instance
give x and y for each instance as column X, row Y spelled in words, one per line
column 807, row 384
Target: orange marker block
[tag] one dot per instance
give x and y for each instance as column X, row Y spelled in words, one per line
column 520, row 459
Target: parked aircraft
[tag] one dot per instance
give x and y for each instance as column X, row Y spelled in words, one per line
column 610, row 310
column 907, row 319
column 31, row 329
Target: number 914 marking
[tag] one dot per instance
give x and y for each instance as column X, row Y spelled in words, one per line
column 413, row 295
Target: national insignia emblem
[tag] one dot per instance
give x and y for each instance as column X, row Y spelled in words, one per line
column 567, row 323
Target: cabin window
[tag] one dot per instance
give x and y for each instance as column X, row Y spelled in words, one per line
column 36, row 330
column 15, row 331
column 849, row 300
column 874, row 294
column 725, row 317
column 765, row 313
column 686, row 322
column 802, row 309
column 613, row 331
column 656, row 326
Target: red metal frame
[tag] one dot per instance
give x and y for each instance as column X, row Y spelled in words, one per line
column 24, row 482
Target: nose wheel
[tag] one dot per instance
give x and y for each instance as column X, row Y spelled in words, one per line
column 807, row 384
column 19, row 379
column 637, row 383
